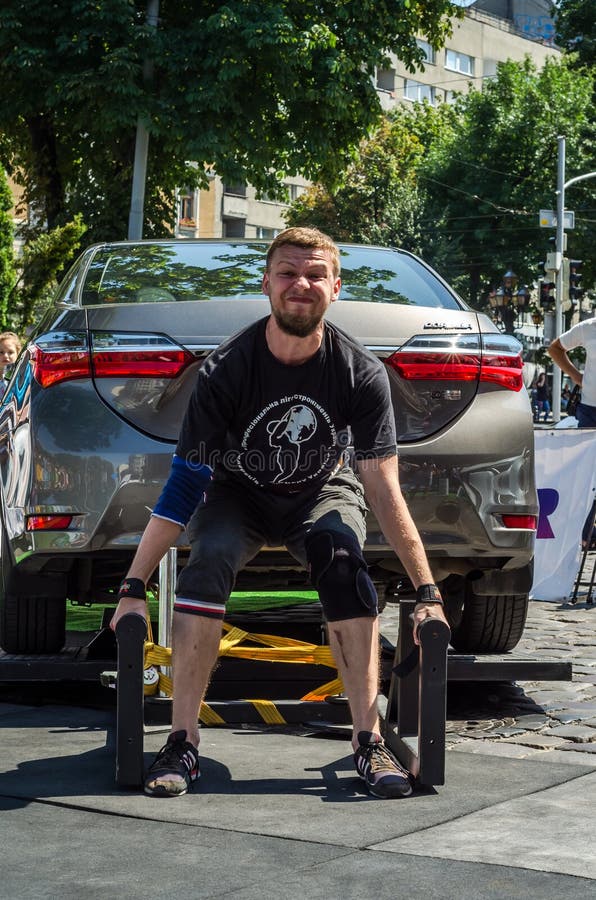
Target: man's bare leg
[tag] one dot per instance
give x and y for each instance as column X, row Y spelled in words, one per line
column 355, row 647
column 195, row 646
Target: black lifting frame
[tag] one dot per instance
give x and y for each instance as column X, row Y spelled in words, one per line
column 131, row 633
column 414, row 719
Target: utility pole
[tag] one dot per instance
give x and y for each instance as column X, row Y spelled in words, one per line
column 139, row 175
column 559, row 250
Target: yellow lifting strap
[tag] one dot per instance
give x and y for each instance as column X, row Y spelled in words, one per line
column 273, row 648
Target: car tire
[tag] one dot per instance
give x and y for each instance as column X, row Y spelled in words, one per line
column 489, row 624
column 32, row 624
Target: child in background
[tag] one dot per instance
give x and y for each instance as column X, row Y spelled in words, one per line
column 10, row 347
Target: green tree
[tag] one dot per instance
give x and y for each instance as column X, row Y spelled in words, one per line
column 42, row 262
column 256, row 90
column 487, row 178
column 576, row 28
column 7, row 273
column 462, row 184
column 377, row 201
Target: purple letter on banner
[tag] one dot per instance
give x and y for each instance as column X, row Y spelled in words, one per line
column 548, row 500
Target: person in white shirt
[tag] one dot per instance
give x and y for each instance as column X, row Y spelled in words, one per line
column 581, row 335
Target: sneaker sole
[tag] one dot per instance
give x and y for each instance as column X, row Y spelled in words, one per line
column 165, row 790
column 392, row 793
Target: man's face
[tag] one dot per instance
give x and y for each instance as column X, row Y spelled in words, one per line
column 300, row 285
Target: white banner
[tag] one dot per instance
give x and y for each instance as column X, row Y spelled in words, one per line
column 566, row 483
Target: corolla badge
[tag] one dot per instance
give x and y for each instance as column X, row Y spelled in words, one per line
column 447, row 326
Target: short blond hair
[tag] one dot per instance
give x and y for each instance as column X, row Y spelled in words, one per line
column 11, row 336
column 311, row 238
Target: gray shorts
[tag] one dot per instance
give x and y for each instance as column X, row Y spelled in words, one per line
column 235, row 521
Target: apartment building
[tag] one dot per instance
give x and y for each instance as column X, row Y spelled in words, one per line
column 232, row 210
column 478, row 43
column 492, row 31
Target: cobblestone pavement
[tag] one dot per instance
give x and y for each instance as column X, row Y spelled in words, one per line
column 555, row 720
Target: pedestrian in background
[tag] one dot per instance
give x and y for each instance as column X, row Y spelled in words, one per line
column 10, row 347
column 565, row 395
column 542, row 398
column 581, row 335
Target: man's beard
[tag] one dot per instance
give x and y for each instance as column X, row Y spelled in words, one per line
column 296, row 325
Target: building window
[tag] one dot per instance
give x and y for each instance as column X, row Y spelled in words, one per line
column 266, row 234
column 187, row 209
column 238, row 190
column 295, row 190
column 429, row 53
column 386, row 80
column 459, row 62
column 234, row 228
column 417, row 92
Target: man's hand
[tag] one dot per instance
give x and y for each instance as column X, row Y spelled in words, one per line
column 128, row 605
column 423, row 611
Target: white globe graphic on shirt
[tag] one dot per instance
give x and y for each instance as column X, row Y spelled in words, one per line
column 297, row 425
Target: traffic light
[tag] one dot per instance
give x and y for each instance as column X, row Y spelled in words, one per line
column 575, row 277
column 547, row 293
column 546, row 284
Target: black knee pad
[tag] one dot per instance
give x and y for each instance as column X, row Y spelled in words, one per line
column 340, row 575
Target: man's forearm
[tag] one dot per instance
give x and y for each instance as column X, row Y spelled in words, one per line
column 401, row 532
column 158, row 537
column 381, row 486
column 559, row 356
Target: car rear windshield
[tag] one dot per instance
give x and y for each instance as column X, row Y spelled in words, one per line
column 187, row 270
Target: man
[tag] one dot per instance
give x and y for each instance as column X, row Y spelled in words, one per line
column 264, row 439
column 581, row 335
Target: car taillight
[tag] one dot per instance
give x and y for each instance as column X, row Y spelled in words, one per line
column 511, row 521
column 64, row 357
column 494, row 358
column 137, row 356
column 48, row 523
column 60, row 356
column 435, row 366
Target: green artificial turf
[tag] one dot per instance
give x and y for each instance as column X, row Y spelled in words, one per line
column 89, row 618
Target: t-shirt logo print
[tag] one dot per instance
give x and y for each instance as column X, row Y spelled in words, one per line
column 287, row 435
column 290, row 443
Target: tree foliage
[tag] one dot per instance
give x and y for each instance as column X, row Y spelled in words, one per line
column 487, row 179
column 377, row 201
column 576, row 28
column 7, row 274
column 463, row 184
column 256, row 90
column 41, row 265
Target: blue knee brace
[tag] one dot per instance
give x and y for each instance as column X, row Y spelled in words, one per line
column 340, row 575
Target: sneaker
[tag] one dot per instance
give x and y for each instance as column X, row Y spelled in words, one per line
column 176, row 757
column 378, row 767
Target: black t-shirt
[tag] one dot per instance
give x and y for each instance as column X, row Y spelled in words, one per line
column 287, row 428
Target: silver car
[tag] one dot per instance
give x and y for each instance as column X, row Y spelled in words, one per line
column 91, row 416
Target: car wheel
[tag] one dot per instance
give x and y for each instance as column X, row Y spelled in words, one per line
column 32, row 624
column 488, row 624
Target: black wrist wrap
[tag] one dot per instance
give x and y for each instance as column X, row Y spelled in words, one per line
column 132, row 587
column 428, row 593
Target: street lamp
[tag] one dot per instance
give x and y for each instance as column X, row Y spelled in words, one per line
column 507, row 302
